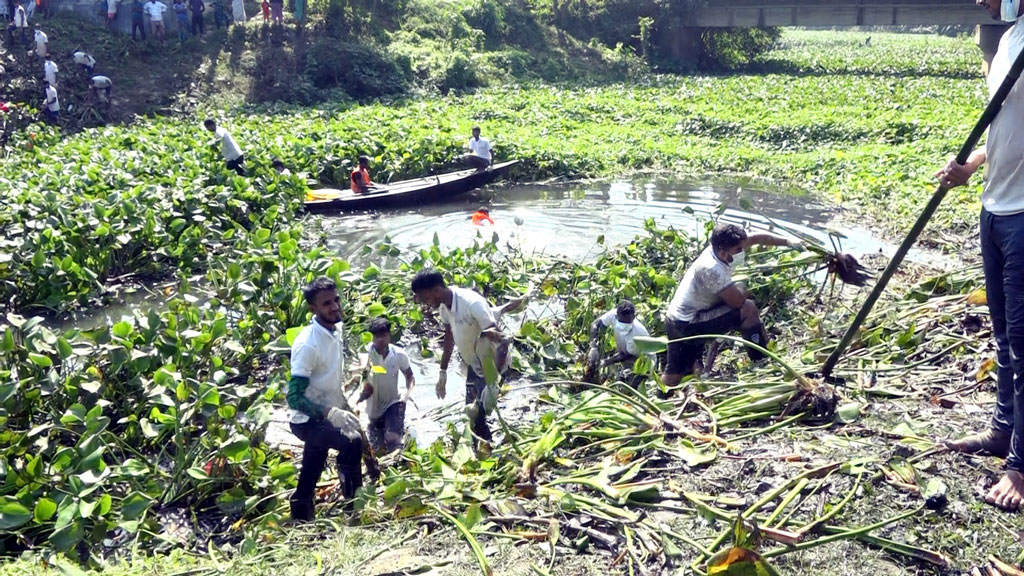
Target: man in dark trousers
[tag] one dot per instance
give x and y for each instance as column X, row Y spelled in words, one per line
column 471, row 326
column 320, row 414
column 1002, row 252
column 197, row 7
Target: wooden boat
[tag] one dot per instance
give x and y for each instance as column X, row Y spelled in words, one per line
column 407, row 192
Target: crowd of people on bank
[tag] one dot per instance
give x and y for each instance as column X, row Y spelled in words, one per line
column 38, row 48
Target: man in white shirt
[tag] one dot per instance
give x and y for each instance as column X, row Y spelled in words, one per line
column 1002, row 252
column 708, row 302
column 320, row 414
column 472, row 327
column 42, row 44
column 51, row 106
column 156, row 11
column 50, row 71
column 19, row 22
column 228, row 147
column 85, row 60
column 385, row 405
column 100, row 87
column 480, row 154
column 625, row 327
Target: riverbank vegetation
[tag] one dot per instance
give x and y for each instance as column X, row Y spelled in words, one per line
column 112, row 439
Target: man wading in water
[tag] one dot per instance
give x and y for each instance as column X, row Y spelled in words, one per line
column 1002, row 251
column 320, row 414
column 708, row 302
column 472, row 326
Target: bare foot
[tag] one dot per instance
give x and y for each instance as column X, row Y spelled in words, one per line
column 1008, row 493
column 989, row 442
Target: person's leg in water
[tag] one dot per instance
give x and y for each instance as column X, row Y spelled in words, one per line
column 394, row 425
column 477, row 415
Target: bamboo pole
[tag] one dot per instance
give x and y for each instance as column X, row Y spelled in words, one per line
column 940, row 192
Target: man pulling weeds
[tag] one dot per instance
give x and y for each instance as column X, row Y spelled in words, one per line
column 320, row 414
column 470, row 325
column 707, row 301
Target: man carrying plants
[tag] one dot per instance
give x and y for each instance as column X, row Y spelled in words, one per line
column 708, row 302
column 472, row 326
column 228, row 147
column 385, row 405
column 1002, row 251
column 320, row 414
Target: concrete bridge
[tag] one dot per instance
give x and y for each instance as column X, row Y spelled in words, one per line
column 757, row 13
column 818, row 13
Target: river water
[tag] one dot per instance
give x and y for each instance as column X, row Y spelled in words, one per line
column 561, row 220
column 566, row 220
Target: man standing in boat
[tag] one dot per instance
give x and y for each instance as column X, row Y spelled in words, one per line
column 471, row 325
column 708, row 302
column 1002, row 252
column 480, row 153
column 361, row 183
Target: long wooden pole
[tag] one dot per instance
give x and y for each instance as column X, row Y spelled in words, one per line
column 994, row 105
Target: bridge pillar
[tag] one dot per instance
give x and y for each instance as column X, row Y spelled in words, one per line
column 987, row 37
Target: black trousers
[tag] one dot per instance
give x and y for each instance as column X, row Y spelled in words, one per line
column 197, row 24
column 319, row 438
column 474, row 390
column 238, row 165
column 137, row 24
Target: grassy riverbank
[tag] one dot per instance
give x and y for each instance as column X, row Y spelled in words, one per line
column 106, row 431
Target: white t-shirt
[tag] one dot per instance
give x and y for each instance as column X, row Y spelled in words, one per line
column 624, row 333
column 84, row 59
column 20, row 17
column 50, row 71
column 385, row 386
column 52, row 103
column 319, row 355
column 701, row 284
column 480, row 147
column 156, row 11
column 111, row 6
column 40, row 38
column 1004, row 178
column 228, row 147
column 469, row 315
column 100, row 82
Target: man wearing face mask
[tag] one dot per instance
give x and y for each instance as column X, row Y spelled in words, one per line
column 622, row 320
column 707, row 301
column 1002, row 251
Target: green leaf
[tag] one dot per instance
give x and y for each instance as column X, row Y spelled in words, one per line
column 122, row 329
column 650, row 345
column 13, row 514
column 292, row 333
column 40, row 360
column 45, row 509
column 135, row 505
